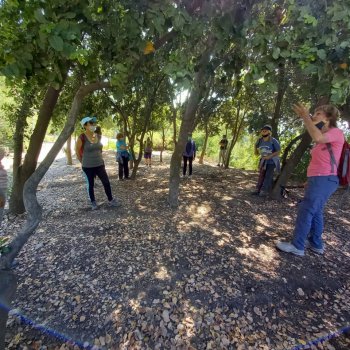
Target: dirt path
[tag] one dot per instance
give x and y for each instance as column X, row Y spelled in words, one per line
column 205, row 276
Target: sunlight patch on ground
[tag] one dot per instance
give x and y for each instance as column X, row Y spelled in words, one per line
column 343, row 220
column 262, row 222
column 265, row 254
column 134, row 304
column 200, row 211
column 160, row 190
column 162, row 273
column 246, row 238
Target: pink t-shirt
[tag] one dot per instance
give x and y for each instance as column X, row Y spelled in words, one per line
column 320, row 164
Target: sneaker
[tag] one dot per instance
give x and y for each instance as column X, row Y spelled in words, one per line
column 114, row 203
column 93, row 205
column 313, row 249
column 288, row 247
column 255, row 193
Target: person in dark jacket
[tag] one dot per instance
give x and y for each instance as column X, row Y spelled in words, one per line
column 189, row 156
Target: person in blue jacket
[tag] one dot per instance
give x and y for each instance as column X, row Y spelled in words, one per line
column 189, row 156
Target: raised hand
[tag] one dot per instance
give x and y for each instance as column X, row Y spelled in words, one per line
column 301, row 110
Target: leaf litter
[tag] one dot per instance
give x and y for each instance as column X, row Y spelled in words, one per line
column 204, row 276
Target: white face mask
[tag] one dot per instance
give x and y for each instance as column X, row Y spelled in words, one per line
column 92, row 128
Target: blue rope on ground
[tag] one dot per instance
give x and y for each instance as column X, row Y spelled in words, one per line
column 322, row 339
column 46, row 330
column 62, row 337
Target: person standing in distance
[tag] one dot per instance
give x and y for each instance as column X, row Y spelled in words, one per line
column 322, row 179
column 122, row 156
column 148, row 147
column 223, row 148
column 269, row 149
column 89, row 153
column 189, row 155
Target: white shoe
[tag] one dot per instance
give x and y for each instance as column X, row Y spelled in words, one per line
column 288, row 247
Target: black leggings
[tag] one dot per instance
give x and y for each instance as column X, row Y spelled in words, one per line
column 190, row 159
column 124, row 168
column 99, row 171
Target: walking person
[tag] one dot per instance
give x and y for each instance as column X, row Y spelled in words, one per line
column 123, row 157
column 223, row 149
column 148, row 147
column 189, row 155
column 89, row 153
column 322, row 179
column 3, row 184
column 269, row 149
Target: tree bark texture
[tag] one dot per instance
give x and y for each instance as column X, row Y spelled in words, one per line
column 282, row 86
column 174, row 127
column 201, row 158
column 68, row 151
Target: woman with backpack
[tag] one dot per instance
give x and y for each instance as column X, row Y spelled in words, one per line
column 269, row 149
column 322, row 179
column 89, row 153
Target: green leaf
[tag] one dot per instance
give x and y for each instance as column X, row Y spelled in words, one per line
column 70, row 15
column 56, row 42
column 285, row 53
column 39, row 16
column 322, row 54
column 276, row 53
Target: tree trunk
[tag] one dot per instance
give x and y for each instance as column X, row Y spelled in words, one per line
column 186, row 127
column 291, row 163
column 25, row 170
column 282, row 86
column 288, row 148
column 68, row 151
column 205, row 145
column 235, row 134
column 18, row 137
column 163, row 145
column 174, row 127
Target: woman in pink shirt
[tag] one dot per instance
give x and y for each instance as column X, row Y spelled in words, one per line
column 322, row 179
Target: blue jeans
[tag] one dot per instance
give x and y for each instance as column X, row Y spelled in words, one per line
column 309, row 223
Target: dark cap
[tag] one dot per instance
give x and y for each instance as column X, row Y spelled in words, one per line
column 266, row 127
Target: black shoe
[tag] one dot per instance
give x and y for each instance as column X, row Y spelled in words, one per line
column 255, row 193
